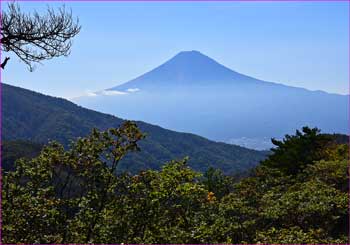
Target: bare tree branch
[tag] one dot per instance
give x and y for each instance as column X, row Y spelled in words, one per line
column 33, row 37
column 3, row 64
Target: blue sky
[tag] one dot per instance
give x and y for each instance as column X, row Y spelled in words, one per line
column 302, row 44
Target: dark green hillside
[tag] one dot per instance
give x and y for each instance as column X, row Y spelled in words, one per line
column 39, row 118
column 13, row 150
column 340, row 138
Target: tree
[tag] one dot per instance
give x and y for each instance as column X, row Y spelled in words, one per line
column 295, row 152
column 59, row 195
column 216, row 182
column 34, row 37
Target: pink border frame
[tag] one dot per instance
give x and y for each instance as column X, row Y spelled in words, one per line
column 171, row 1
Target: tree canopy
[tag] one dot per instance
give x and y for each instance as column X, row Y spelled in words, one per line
column 75, row 196
column 294, row 152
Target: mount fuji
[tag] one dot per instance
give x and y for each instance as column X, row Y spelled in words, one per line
column 193, row 93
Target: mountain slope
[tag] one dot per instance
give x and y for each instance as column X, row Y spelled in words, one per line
column 193, row 93
column 32, row 116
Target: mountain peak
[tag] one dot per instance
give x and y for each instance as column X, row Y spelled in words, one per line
column 187, row 68
column 190, row 52
column 192, row 56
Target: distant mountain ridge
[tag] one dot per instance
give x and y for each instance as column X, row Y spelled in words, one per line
column 27, row 115
column 194, row 93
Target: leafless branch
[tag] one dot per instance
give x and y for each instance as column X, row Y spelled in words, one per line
column 33, row 37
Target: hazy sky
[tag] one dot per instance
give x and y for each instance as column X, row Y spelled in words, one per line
column 303, row 44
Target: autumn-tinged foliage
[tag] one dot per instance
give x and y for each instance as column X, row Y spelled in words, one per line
column 75, row 196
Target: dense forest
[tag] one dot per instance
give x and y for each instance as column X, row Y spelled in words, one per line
column 297, row 195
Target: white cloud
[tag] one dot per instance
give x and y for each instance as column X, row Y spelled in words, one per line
column 90, row 94
column 132, row 90
column 108, row 93
column 112, row 92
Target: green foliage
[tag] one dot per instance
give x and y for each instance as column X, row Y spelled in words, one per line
column 161, row 206
column 307, row 205
column 76, row 196
column 333, row 173
column 234, row 221
column 47, row 198
column 296, row 235
column 295, row 152
column 215, row 181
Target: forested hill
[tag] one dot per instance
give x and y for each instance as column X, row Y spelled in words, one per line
column 28, row 115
